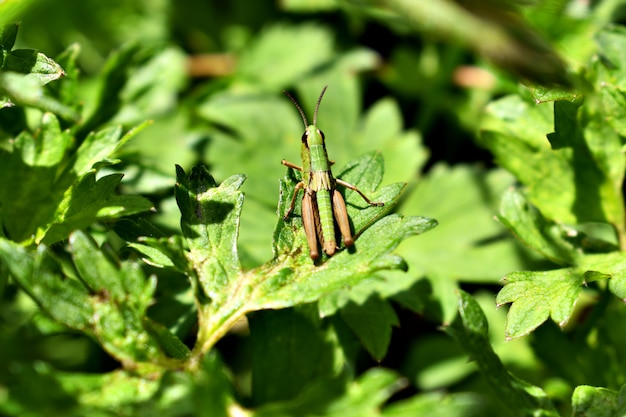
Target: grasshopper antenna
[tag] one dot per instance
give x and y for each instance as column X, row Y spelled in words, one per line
column 293, row 100
column 317, row 106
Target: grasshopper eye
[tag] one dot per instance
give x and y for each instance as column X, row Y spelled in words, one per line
column 321, row 134
column 305, row 137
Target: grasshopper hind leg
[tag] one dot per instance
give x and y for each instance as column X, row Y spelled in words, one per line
column 310, row 223
column 341, row 217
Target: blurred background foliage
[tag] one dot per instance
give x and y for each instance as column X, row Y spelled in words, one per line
column 408, row 78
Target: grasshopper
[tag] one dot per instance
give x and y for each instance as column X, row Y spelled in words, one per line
column 322, row 204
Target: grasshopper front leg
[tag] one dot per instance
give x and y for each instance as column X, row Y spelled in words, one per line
column 291, row 165
column 298, row 187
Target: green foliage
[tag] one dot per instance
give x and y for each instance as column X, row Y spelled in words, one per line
column 209, row 222
column 592, row 401
column 573, row 176
column 471, row 332
column 145, row 264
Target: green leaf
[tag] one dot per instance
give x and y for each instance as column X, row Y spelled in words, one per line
column 468, row 245
column 368, row 393
column 261, row 125
column 610, row 40
column 33, row 389
column 437, row 404
column 25, row 90
column 109, row 302
column 49, row 148
column 152, row 88
column 529, row 226
column 372, row 322
column 382, row 128
column 23, row 73
column 543, row 94
column 212, row 389
column 516, row 395
column 47, row 200
column 591, row 401
column 96, row 150
column 281, row 55
column 101, row 276
column 66, row 88
column 284, row 362
column 31, row 168
column 121, row 296
column 205, row 393
column 8, row 34
column 72, row 311
column 436, row 361
column 609, row 73
column 363, row 397
column 112, row 80
column 603, row 266
column 584, row 161
column 152, row 256
column 537, row 296
column 463, row 200
column 309, row 5
column 168, row 342
column 87, row 201
column 34, row 64
column 371, row 254
column 109, row 391
column 67, row 301
column 316, row 397
column 527, row 154
column 366, row 312
column 96, row 147
column 210, row 224
column 163, row 252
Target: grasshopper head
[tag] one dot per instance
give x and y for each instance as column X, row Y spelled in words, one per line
column 312, row 136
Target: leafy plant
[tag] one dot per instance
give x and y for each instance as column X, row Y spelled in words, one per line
column 86, row 288
column 146, row 268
